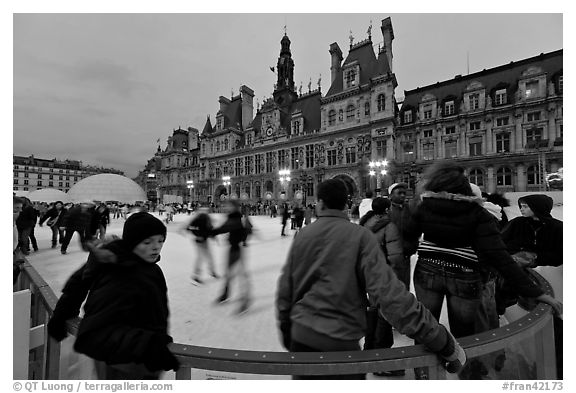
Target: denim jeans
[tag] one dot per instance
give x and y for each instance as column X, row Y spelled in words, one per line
column 463, row 292
column 57, row 234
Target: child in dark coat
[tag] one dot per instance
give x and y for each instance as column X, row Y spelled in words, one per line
column 125, row 324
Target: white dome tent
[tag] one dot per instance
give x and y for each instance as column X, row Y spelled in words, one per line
column 107, row 187
column 48, row 195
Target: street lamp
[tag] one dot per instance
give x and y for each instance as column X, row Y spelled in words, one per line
column 284, row 179
column 190, row 186
column 226, row 182
column 378, row 169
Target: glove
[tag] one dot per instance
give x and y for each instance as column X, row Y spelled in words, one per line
column 453, row 355
column 57, row 328
column 158, row 357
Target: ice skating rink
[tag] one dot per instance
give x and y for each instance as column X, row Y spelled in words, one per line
column 195, row 318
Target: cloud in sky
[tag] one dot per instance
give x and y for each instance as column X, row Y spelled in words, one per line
column 103, row 88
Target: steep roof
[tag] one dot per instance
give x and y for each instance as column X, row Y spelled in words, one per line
column 233, row 113
column 207, row 127
column 309, row 105
column 507, row 74
column 370, row 66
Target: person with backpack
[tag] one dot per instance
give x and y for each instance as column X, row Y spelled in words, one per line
column 201, row 227
column 379, row 332
column 236, row 264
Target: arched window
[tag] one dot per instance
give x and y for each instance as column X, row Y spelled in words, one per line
column 226, row 144
column 350, row 112
column 258, row 189
column 477, row 177
column 269, row 186
column 247, row 189
column 217, row 145
column 381, row 102
column 237, row 190
column 504, row 176
column 366, row 108
column 340, row 115
column 332, row 117
column 532, row 175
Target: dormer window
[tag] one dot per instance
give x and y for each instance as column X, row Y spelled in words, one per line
column 381, row 102
column 219, row 123
column 296, row 127
column 474, row 100
column 226, row 144
column 448, row 108
column 532, row 89
column 350, row 78
column 500, row 97
column 407, row 117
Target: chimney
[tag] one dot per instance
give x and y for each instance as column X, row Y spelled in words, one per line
column 336, row 66
column 388, row 35
column 192, row 138
column 247, row 105
column 224, row 102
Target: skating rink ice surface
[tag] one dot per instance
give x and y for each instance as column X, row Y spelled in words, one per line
column 194, row 317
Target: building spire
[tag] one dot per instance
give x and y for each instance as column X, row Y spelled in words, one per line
column 351, row 37
column 370, row 30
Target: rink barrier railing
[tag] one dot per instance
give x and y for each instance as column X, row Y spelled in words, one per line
column 44, row 351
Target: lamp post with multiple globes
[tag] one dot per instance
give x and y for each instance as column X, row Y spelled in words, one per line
column 378, row 169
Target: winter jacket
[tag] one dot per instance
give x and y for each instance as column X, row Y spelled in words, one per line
column 388, row 238
column 234, row 227
column 78, row 217
column 457, row 221
column 126, row 313
column 200, row 226
column 365, row 207
column 27, row 218
column 542, row 237
column 53, row 213
column 400, row 216
column 330, row 268
column 299, row 216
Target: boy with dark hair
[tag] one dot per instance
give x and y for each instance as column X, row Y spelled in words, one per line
column 321, row 295
column 125, row 324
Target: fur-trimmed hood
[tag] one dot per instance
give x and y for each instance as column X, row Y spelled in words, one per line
column 451, row 197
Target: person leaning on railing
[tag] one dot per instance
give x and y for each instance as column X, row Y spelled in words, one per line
column 321, row 297
column 461, row 243
column 125, row 325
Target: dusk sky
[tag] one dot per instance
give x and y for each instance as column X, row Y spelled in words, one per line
column 102, row 88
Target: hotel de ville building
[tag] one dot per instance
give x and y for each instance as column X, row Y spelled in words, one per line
column 503, row 124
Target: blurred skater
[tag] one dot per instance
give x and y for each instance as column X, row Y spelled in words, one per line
column 201, row 228
column 236, row 264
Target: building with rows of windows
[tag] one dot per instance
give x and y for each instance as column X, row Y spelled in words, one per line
column 503, row 124
column 32, row 173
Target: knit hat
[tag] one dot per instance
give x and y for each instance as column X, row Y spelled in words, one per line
column 395, row 186
column 540, row 204
column 141, row 226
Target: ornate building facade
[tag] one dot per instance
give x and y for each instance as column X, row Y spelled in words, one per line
column 314, row 137
column 503, row 124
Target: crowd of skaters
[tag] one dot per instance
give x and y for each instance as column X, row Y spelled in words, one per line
column 469, row 255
